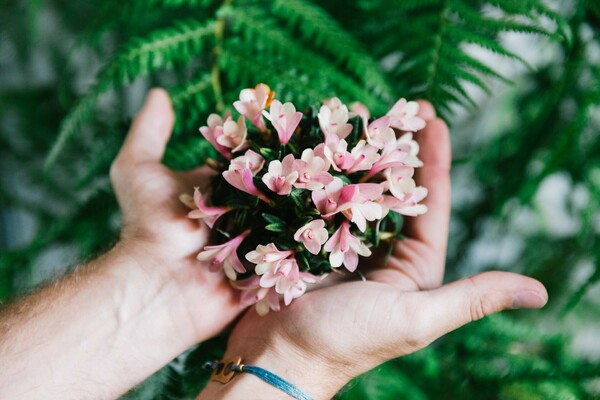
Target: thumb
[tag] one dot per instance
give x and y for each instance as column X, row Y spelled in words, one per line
column 456, row 304
column 151, row 129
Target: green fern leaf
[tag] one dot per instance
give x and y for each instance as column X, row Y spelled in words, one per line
column 318, row 27
column 161, row 50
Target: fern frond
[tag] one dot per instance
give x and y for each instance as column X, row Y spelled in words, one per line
column 161, row 50
column 398, row 5
column 188, row 154
column 316, row 26
column 242, row 68
column 191, row 101
column 460, row 34
column 434, row 61
column 268, row 40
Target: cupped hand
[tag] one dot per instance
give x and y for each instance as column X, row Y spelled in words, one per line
column 337, row 332
column 155, row 231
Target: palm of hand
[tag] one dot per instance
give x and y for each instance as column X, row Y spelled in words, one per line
column 363, row 309
column 154, row 220
column 401, row 308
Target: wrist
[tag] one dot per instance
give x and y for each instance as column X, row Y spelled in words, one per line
column 144, row 286
column 317, row 377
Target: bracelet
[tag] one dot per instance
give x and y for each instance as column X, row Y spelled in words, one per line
column 224, row 370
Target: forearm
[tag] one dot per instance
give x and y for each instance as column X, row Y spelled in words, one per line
column 93, row 334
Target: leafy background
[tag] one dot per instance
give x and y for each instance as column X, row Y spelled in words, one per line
column 517, row 80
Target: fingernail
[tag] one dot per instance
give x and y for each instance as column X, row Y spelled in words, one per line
column 528, row 299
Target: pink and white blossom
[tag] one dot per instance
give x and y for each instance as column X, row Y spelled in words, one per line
column 412, row 147
column 285, row 119
column 313, row 235
column 379, row 133
column 408, row 201
column 200, row 210
column 364, row 156
column 357, row 203
column 213, row 131
column 234, row 134
column 266, row 299
column 287, row 280
column 395, row 180
column 312, row 171
column 281, row 175
column 403, row 116
column 391, row 156
column 359, row 109
column 333, row 118
column 266, row 257
column 345, row 248
column 241, row 173
column 252, row 102
column 336, row 152
column 326, row 199
column 224, row 256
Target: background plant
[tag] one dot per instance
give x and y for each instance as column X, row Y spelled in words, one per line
column 526, row 175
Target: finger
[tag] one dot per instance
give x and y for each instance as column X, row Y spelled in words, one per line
column 151, row 129
column 456, row 304
column 198, row 177
column 431, row 228
column 426, row 110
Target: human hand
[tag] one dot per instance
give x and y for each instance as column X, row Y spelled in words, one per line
column 156, row 233
column 335, row 333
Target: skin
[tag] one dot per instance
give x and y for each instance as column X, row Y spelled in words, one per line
column 335, row 333
column 112, row 323
column 104, row 328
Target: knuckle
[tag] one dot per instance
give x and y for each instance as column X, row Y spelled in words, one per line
column 482, row 306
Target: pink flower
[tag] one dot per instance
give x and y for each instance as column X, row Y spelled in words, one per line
column 407, row 204
column 345, row 248
column 363, row 156
column 234, row 134
column 404, row 116
column 396, row 178
column 333, row 118
column 266, row 257
column 252, row 102
column 326, row 200
column 287, row 280
column 379, row 133
column 292, row 289
column 285, row 119
column 241, row 173
column 359, row 109
column 312, row 171
column 391, row 156
column 200, row 210
column 412, row 147
column 335, row 151
column 224, row 256
column 313, row 235
column 281, row 175
column 213, row 131
column 266, row 299
column 357, row 203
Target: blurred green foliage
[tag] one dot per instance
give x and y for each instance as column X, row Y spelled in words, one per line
column 73, row 74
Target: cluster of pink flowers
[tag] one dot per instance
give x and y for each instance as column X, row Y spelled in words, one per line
column 350, row 177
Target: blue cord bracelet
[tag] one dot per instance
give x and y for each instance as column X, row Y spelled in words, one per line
column 224, row 370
